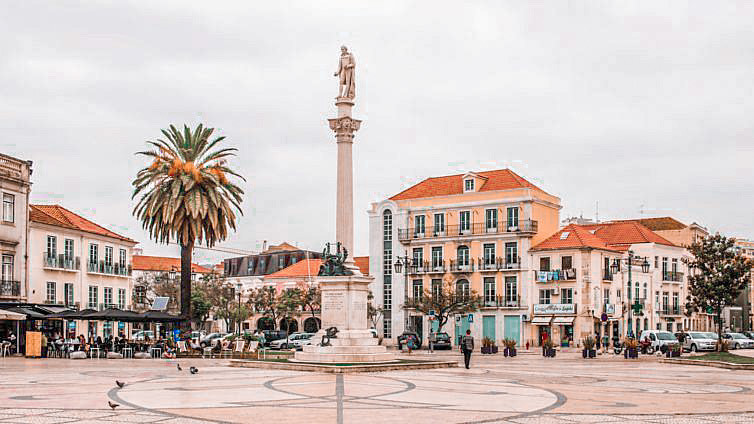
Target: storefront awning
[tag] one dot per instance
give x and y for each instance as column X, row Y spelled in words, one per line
column 11, row 316
column 563, row 320
column 541, row 320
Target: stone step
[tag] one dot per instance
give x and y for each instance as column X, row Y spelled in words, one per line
column 343, row 358
column 345, row 349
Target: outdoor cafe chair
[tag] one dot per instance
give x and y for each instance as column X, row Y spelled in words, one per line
column 239, row 347
column 92, row 350
column 4, row 349
column 226, row 350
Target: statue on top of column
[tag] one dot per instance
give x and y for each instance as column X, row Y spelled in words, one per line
column 347, row 73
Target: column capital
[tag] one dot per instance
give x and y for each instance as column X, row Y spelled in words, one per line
column 344, row 126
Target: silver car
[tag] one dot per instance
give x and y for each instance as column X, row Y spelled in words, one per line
column 295, row 340
column 698, row 340
column 738, row 341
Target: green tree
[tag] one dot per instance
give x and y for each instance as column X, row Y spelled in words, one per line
column 288, row 307
column 264, row 300
column 186, row 196
column 311, row 299
column 717, row 275
column 374, row 315
column 200, row 307
column 445, row 299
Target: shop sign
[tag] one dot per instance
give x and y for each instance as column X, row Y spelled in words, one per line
column 610, row 309
column 555, row 308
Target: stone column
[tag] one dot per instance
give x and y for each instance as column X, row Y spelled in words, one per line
column 345, row 126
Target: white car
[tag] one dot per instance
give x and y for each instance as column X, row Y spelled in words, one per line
column 210, row 340
column 660, row 340
column 738, row 341
column 295, row 340
column 698, row 340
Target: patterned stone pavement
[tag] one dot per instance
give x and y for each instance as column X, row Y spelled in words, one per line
column 527, row 389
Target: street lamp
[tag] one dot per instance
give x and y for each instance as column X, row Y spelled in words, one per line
column 239, row 309
column 630, row 262
column 401, row 266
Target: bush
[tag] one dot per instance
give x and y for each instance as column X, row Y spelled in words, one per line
column 723, row 345
column 509, row 343
column 631, row 344
column 548, row 344
column 488, row 342
column 589, row 343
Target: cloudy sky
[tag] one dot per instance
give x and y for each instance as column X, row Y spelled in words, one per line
column 644, row 107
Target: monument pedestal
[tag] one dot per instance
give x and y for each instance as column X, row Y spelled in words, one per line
column 344, row 306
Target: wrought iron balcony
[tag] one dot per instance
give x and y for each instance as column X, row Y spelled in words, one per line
column 672, row 276
column 61, row 261
column 502, row 302
column 607, row 275
column 109, row 269
column 498, row 263
column 501, row 227
column 555, row 275
column 458, row 266
column 675, row 311
column 10, row 288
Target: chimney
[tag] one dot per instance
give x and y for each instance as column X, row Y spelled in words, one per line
column 264, row 245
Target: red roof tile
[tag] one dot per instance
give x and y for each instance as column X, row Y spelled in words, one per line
column 657, row 224
column 61, row 217
column 626, row 233
column 304, row 268
column 161, row 263
column 577, row 238
column 502, row 179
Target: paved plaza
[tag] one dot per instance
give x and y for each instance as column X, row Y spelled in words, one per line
column 527, row 389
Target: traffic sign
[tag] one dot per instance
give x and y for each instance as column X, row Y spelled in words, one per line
column 604, row 317
column 471, row 317
column 431, row 312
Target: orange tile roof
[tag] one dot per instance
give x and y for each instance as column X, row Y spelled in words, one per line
column 626, row 233
column 577, row 238
column 282, row 247
column 161, row 263
column 657, row 224
column 304, row 268
column 59, row 216
column 501, row 179
column 363, row 263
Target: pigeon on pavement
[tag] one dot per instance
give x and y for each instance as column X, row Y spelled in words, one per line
column 120, row 383
column 179, row 367
column 194, row 370
column 112, row 405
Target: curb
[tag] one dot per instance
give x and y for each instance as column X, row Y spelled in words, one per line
column 716, row 364
column 333, row 369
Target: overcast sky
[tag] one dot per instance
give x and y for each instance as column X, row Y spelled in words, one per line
column 640, row 106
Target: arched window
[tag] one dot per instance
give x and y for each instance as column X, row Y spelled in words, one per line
column 462, row 256
column 463, row 289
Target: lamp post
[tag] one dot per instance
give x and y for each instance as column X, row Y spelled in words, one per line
column 238, row 316
column 630, row 262
column 402, row 265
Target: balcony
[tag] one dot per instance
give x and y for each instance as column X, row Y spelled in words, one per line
column 61, row 262
column 519, row 227
column 513, row 302
column 456, row 266
column 607, row 275
column 109, row 269
column 499, row 263
column 555, row 275
column 666, row 311
column 672, row 276
column 10, row 288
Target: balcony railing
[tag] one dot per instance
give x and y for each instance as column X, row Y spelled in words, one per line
column 670, row 311
column 498, row 263
column 10, row 288
column 110, row 269
column 555, row 275
column 457, row 266
column 522, row 226
column 672, row 276
column 502, row 302
column 607, row 275
column 61, row 261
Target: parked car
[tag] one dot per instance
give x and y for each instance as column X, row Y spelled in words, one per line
column 698, row 340
column 211, row 339
column 659, row 340
column 440, row 341
column 738, row 341
column 403, row 338
column 748, row 334
column 140, row 335
column 295, row 340
column 272, row 335
column 196, row 336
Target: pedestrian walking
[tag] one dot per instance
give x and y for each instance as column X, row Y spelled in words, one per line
column 467, row 346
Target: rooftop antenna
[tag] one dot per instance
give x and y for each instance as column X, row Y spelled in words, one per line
column 597, row 212
column 641, row 209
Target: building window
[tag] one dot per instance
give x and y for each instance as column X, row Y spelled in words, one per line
column 122, row 257
column 468, row 185
column 513, row 217
column 387, row 226
column 140, row 294
column 436, row 288
column 122, row 298
column 93, row 254
column 511, row 291
column 674, row 266
column 606, row 296
column 657, row 262
column 490, row 219
column 68, row 249
column 462, row 256
column 68, row 294
column 489, row 291
column 107, row 329
column 386, row 328
column 281, row 262
column 418, row 287
column 464, row 221
column 418, row 257
column 93, row 297
column 9, row 207
column 544, row 296
column 463, row 289
column 52, row 246
column 657, row 299
column 645, row 292
column 250, row 266
column 109, row 255
column 439, row 223
column 387, row 270
column 511, row 253
column 665, row 301
column 419, row 226
column 51, row 295
column 544, row 263
column 7, row 268
column 566, row 262
column 676, row 304
column 489, row 254
column 108, row 297
column 437, row 257
column 567, row 296
column 664, row 267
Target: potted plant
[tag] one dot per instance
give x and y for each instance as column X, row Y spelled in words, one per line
column 252, row 341
column 632, row 349
column 548, row 349
column 674, row 351
column 510, row 347
column 487, row 344
column 722, row 346
column 589, row 352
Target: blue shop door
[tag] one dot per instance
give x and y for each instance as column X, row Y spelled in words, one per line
column 461, row 327
column 488, row 327
column 512, row 327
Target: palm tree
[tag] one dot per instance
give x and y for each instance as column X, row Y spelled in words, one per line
column 186, row 195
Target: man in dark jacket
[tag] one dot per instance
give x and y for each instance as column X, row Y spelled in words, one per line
column 467, row 346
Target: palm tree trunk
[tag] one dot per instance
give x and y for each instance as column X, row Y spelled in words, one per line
column 186, row 286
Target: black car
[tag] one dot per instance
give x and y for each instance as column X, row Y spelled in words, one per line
column 440, row 341
column 403, row 338
column 270, row 335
